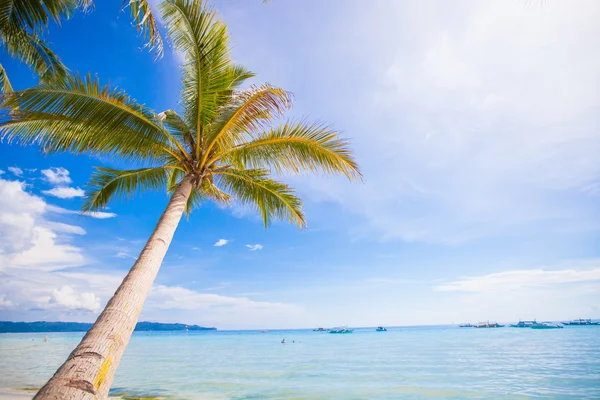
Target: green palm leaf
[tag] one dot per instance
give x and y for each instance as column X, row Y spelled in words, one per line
column 141, row 12
column 247, row 112
column 5, row 86
column 107, row 183
column 80, row 115
column 271, row 198
column 296, row 147
column 205, row 193
column 178, row 128
column 207, row 73
column 29, row 48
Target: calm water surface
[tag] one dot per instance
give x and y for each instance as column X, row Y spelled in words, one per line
column 403, row 363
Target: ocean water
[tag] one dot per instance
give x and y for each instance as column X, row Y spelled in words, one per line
column 402, row 363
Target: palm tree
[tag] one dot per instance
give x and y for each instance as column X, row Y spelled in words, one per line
column 223, row 147
column 23, row 22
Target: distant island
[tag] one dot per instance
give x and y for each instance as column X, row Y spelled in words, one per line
column 43, row 326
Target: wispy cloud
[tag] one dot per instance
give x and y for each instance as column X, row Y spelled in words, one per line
column 65, row 192
column 16, row 171
column 124, row 254
column 65, row 228
column 512, row 280
column 254, row 247
column 221, row 242
column 93, row 214
column 56, row 176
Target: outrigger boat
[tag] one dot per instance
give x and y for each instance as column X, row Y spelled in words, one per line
column 525, row 324
column 341, row 330
column 489, row 325
column 547, row 325
column 580, row 321
column 381, row 329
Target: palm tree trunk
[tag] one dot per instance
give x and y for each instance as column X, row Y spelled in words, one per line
column 89, row 370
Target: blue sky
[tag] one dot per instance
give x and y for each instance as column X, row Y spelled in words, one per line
column 477, row 129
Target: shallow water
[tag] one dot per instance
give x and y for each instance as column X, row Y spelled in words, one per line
column 403, row 363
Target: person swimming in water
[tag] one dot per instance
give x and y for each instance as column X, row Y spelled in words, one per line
column 283, row 341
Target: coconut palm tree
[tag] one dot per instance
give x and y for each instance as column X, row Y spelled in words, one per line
column 23, row 22
column 223, row 147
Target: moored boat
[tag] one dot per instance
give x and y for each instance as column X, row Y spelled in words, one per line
column 341, row 330
column 381, row 329
column 547, row 325
column 319, row 329
column 489, row 324
column 467, row 325
column 581, row 322
column 525, row 324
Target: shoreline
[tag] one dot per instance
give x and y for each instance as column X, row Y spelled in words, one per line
column 8, row 393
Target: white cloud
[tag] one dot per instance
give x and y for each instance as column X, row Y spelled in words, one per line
column 99, row 214
column 254, row 247
column 1, row 172
column 57, row 176
column 29, row 240
column 124, row 254
column 66, row 297
column 5, row 303
column 93, row 214
column 46, row 253
column 79, row 296
column 512, row 280
column 65, row 228
column 221, row 311
column 221, row 242
column 490, row 120
column 16, row 171
column 65, row 192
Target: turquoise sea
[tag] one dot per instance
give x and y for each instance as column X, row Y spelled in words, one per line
column 403, row 363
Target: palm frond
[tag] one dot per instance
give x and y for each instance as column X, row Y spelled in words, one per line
column 80, row 115
column 174, row 178
column 247, row 112
column 207, row 73
column 35, row 14
column 178, row 128
column 5, row 86
column 31, row 49
column 142, row 15
column 296, row 147
column 106, row 183
column 271, row 198
column 205, row 193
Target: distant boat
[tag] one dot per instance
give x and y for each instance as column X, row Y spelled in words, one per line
column 341, row 330
column 381, row 329
column 489, row 325
column 580, row 321
column 467, row 325
column 525, row 324
column 319, row 329
column 547, row 325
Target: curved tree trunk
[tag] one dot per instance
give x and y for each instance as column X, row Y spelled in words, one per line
column 89, row 370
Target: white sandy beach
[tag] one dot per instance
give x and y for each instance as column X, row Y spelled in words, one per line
column 15, row 394
column 18, row 394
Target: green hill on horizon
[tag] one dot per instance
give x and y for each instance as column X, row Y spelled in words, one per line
column 44, row 326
